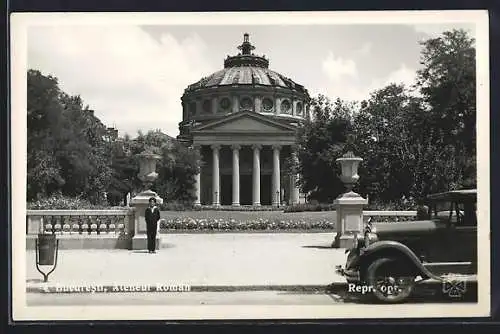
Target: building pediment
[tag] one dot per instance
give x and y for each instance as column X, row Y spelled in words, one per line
column 245, row 122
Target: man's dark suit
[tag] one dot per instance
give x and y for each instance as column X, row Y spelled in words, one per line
column 152, row 216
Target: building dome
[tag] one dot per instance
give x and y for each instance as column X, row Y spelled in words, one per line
column 244, row 84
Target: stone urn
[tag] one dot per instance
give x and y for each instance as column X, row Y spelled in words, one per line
column 147, row 169
column 349, row 164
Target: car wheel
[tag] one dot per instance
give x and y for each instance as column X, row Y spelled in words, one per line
column 389, row 281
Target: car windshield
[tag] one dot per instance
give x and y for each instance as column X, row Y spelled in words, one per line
column 461, row 213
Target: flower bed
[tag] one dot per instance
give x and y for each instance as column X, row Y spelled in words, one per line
column 233, row 225
column 248, row 221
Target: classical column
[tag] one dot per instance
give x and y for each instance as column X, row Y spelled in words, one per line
column 236, row 175
column 277, row 106
column 256, row 174
column 215, row 105
column 276, row 188
column 198, row 107
column 197, row 178
column 258, row 103
column 215, row 175
column 236, row 104
column 185, row 114
column 295, row 192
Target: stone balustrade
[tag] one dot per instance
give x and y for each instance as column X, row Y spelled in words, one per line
column 101, row 228
column 84, row 229
column 79, row 221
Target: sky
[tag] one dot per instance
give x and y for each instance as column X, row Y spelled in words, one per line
column 133, row 76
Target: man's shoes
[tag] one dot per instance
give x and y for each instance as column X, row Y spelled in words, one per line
column 154, row 252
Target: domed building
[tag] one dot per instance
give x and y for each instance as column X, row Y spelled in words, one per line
column 244, row 119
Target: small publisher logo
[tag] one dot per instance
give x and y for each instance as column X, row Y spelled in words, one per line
column 454, row 288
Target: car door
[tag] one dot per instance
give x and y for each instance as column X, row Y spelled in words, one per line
column 461, row 240
column 453, row 247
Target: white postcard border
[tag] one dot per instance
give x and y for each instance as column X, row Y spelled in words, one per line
column 19, row 25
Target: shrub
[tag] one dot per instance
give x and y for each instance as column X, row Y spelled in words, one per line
column 174, row 206
column 309, row 207
column 390, row 206
column 61, row 202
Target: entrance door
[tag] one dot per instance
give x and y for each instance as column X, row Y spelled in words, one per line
column 226, row 189
column 265, row 189
column 246, row 189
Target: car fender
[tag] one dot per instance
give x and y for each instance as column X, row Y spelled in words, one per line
column 393, row 247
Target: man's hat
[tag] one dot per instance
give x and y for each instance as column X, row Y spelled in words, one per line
column 152, row 199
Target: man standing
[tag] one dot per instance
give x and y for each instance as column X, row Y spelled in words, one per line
column 152, row 216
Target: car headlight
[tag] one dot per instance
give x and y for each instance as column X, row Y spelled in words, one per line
column 358, row 241
column 370, row 238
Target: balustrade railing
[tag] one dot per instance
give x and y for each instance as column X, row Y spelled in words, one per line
column 390, row 216
column 80, row 222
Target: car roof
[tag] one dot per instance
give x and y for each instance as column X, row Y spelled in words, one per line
column 453, row 195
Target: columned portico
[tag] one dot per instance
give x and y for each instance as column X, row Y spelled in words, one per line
column 256, row 175
column 244, row 156
column 215, row 174
column 236, row 174
column 245, row 174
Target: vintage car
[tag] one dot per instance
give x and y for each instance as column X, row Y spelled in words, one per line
column 391, row 259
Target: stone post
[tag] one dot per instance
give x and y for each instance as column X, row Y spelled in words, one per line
column 147, row 174
column 349, row 206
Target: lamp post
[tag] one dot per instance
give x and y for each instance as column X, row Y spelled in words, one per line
column 148, row 175
column 349, row 205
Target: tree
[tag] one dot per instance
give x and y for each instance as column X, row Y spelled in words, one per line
column 411, row 146
column 84, row 151
column 321, row 141
column 44, row 116
column 402, row 151
column 448, row 85
column 67, row 152
column 176, row 175
column 176, row 169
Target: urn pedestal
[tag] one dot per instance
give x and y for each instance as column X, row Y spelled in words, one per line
column 140, row 203
column 147, row 174
column 349, row 206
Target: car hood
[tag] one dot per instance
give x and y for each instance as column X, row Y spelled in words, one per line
column 383, row 229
